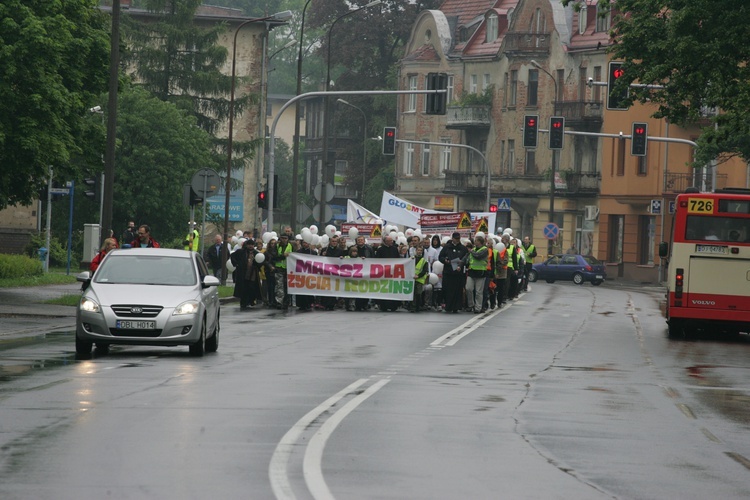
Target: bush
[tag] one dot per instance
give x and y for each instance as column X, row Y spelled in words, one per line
column 58, row 256
column 19, row 266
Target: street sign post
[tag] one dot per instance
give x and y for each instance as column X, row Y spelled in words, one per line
column 551, row 231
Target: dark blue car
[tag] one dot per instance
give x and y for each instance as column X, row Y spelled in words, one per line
column 570, row 267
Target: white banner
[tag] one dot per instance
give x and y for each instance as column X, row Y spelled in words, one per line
column 391, row 279
column 359, row 214
column 397, row 211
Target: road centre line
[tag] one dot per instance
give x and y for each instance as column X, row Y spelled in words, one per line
column 464, row 329
column 278, row 468
column 312, row 463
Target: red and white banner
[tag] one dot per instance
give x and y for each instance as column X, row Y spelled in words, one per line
column 391, row 279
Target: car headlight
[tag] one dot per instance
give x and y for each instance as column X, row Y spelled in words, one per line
column 189, row 307
column 89, row 305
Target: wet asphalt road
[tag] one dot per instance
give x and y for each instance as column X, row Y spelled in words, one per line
column 571, row 392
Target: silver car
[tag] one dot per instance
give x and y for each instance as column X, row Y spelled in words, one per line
column 149, row 296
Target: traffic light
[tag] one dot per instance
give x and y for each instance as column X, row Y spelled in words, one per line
column 530, row 131
column 93, row 188
column 639, row 139
column 262, row 199
column 493, row 207
column 556, row 132
column 616, row 99
column 436, row 102
column 389, row 141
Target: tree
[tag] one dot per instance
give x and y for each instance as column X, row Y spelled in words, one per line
column 160, row 148
column 181, row 62
column 54, row 59
column 700, row 57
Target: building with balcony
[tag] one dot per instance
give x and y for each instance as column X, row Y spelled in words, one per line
column 505, row 60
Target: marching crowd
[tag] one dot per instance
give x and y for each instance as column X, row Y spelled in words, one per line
column 452, row 274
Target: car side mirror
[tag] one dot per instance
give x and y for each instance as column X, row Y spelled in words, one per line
column 209, row 281
column 84, row 277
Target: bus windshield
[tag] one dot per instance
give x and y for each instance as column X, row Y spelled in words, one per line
column 724, row 229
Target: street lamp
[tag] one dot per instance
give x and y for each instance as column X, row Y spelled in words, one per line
column 550, row 243
column 326, row 115
column 279, row 16
column 297, row 117
column 364, row 149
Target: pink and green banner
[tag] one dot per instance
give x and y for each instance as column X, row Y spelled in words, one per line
column 387, row 279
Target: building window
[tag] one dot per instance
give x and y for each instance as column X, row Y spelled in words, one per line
column 411, row 104
column 642, row 165
column 506, row 90
column 582, row 82
column 269, row 109
column 621, row 157
column 503, row 168
column 487, row 81
column 533, row 90
column 491, row 34
column 473, row 84
column 425, row 158
column 301, row 110
column 445, row 157
column 340, row 172
column 513, row 87
column 409, row 159
column 530, row 168
column 449, row 95
column 511, row 168
column 582, row 18
column 616, row 238
column 603, row 16
column 647, row 239
column 597, row 92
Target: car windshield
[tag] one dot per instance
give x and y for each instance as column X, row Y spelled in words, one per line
column 146, row 270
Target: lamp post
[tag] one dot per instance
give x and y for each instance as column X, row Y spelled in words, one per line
column 364, row 149
column 550, row 244
column 280, row 16
column 326, row 116
column 297, row 117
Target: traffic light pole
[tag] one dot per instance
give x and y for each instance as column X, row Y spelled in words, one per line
column 293, row 100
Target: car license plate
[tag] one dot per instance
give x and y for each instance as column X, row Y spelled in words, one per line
column 711, row 249
column 599, row 277
column 136, row 325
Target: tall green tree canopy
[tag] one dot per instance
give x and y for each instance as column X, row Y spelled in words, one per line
column 698, row 51
column 54, row 58
column 159, row 149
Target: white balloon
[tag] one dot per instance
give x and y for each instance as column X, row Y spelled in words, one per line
column 275, row 235
column 393, row 234
column 230, row 266
column 325, row 240
column 241, row 242
column 445, row 240
column 427, row 287
column 305, row 230
column 434, row 278
column 401, row 234
column 508, row 231
column 238, row 233
column 500, row 247
column 314, row 229
column 260, row 258
column 307, row 236
column 390, row 228
column 480, row 233
column 401, row 240
column 266, row 238
column 315, row 240
column 437, row 267
column 338, row 233
column 409, row 232
column 330, row 230
column 353, row 232
column 234, row 240
column 418, row 233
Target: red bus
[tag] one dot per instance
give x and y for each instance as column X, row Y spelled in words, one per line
column 709, row 263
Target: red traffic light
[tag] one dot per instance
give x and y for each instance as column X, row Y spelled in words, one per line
column 639, row 130
column 618, row 72
column 531, row 122
column 493, row 207
column 389, row 132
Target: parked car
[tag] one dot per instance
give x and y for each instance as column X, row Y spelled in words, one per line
column 578, row 268
column 149, row 296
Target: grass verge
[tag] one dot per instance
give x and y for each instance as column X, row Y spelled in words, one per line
column 43, row 279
